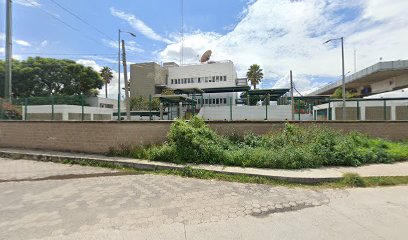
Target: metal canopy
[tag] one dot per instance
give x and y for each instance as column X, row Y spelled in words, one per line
column 227, row 89
column 188, row 91
column 272, row 92
column 318, row 97
column 173, row 99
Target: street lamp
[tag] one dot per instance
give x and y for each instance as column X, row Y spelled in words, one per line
column 343, row 74
column 119, row 90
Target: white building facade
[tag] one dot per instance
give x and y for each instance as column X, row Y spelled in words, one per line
column 216, row 79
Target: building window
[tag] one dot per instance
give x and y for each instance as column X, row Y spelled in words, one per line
column 225, row 101
column 199, row 80
column 206, row 101
column 206, row 79
column 225, row 78
column 213, row 79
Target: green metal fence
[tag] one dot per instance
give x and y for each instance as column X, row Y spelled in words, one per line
column 305, row 108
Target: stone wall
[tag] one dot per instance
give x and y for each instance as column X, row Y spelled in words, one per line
column 98, row 136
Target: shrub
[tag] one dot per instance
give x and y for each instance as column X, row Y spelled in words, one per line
column 293, row 148
column 353, row 180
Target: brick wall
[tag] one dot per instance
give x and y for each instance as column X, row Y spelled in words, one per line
column 97, row 137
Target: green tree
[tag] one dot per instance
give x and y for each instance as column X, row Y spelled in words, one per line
column 38, row 77
column 142, row 104
column 255, row 74
column 107, row 76
column 338, row 94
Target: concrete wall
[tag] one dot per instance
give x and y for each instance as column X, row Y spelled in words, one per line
column 66, row 112
column 368, row 110
column 97, row 137
column 144, row 77
column 250, row 113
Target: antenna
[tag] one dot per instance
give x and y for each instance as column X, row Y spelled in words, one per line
column 206, row 56
column 182, row 33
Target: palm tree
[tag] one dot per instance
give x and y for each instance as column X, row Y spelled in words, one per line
column 107, row 75
column 255, row 74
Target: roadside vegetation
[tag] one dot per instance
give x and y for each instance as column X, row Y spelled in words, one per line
column 295, row 147
column 348, row 180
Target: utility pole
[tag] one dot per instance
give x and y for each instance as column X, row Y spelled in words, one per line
column 292, row 99
column 343, row 79
column 9, row 52
column 126, row 81
column 119, row 90
column 355, row 60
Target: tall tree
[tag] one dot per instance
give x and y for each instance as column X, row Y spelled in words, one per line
column 107, row 76
column 255, row 74
column 36, row 77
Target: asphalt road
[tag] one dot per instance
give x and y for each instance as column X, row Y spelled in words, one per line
column 54, row 201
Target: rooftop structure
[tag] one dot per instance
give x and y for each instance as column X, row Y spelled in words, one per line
column 379, row 78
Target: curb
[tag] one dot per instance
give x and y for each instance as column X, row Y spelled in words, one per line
column 152, row 166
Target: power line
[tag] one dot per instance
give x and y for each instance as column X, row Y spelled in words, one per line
column 62, row 21
column 81, row 19
column 52, row 15
column 67, row 54
column 297, row 90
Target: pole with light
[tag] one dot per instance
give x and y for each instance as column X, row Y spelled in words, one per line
column 119, row 52
column 343, row 74
column 9, row 53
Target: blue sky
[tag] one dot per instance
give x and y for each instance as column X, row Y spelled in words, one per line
column 280, row 35
column 36, row 26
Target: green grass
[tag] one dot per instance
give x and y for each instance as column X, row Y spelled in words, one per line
column 348, row 180
column 295, row 147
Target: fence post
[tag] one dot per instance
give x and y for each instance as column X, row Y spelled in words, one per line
column 299, row 109
column 25, row 108
column 150, row 107
column 266, row 106
column 230, row 103
column 358, row 110
column 52, row 107
column 385, row 110
column 193, row 106
column 82, row 108
column 1, row 110
column 329, row 111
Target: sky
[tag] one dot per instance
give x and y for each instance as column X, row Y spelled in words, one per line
column 279, row 35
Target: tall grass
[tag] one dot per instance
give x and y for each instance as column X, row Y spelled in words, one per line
column 293, row 148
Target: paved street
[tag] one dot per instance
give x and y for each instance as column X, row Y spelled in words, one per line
column 54, row 201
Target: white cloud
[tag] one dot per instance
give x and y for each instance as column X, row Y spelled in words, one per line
column 28, row 3
column 139, row 25
column 113, row 86
column 131, row 46
column 44, row 43
column 284, row 35
column 23, row 43
column 2, row 50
